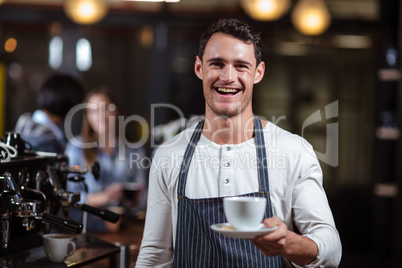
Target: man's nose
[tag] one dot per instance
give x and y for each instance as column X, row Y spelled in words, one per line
column 228, row 74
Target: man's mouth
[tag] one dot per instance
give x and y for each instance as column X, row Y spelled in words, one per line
column 227, row 91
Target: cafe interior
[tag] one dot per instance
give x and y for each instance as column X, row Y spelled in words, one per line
column 332, row 76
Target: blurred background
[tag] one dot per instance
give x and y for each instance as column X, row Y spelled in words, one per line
column 345, row 53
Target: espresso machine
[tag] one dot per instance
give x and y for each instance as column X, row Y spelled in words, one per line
column 34, row 201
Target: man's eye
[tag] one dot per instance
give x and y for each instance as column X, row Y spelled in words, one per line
column 217, row 64
column 242, row 66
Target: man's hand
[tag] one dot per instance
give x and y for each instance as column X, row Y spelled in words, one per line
column 275, row 242
column 296, row 248
column 111, row 192
column 114, row 192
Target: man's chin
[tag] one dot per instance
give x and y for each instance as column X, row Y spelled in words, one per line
column 225, row 111
column 226, row 114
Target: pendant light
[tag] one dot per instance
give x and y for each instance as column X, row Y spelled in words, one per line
column 311, row 17
column 85, row 11
column 265, row 10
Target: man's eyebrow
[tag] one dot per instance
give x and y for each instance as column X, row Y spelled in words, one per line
column 243, row 62
column 215, row 59
column 222, row 60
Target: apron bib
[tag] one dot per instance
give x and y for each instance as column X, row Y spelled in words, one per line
column 199, row 246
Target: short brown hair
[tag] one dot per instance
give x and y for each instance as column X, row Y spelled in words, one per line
column 235, row 28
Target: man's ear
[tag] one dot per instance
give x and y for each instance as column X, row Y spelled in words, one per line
column 198, row 67
column 259, row 74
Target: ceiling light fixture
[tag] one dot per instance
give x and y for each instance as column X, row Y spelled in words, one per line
column 10, row 45
column 311, row 17
column 265, row 10
column 86, row 11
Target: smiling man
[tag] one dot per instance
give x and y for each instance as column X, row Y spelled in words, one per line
column 226, row 155
column 228, row 76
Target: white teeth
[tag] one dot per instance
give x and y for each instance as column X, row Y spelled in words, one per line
column 227, row 90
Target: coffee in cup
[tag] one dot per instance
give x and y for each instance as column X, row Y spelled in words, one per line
column 244, row 213
column 58, row 246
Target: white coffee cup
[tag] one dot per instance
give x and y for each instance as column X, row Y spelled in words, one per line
column 244, row 213
column 58, row 246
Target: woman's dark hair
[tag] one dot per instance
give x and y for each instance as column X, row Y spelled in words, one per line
column 59, row 93
column 235, row 28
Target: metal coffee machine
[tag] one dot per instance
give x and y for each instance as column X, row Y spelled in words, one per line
column 33, row 198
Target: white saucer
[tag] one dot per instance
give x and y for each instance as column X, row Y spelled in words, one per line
column 228, row 231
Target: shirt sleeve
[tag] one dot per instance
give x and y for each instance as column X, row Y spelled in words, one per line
column 76, row 157
column 49, row 145
column 312, row 214
column 73, row 153
column 157, row 243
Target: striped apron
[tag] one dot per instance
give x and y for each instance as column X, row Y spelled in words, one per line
column 199, row 246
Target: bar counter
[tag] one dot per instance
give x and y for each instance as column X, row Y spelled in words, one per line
column 129, row 237
column 98, row 250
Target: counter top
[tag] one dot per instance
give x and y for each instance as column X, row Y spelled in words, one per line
column 93, row 250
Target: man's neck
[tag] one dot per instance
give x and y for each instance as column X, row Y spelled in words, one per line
column 233, row 130
column 56, row 119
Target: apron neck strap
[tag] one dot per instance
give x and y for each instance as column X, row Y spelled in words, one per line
column 261, row 155
column 188, row 155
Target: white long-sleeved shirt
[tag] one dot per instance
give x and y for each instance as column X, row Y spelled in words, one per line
column 295, row 181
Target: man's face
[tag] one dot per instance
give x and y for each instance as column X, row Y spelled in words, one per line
column 228, row 72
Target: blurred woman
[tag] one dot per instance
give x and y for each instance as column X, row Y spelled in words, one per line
column 100, row 141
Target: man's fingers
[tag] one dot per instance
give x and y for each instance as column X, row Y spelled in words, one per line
column 272, row 222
